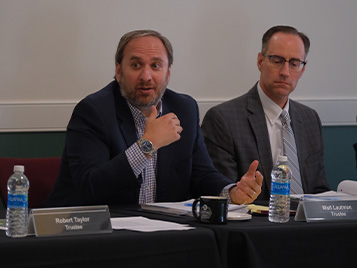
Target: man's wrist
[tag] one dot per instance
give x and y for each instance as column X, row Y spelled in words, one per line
column 146, row 146
column 226, row 190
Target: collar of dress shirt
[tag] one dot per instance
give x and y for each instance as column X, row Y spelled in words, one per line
column 271, row 109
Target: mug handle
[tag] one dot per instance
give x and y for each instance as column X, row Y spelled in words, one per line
column 194, row 208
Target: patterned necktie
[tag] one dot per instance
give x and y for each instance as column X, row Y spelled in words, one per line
column 289, row 147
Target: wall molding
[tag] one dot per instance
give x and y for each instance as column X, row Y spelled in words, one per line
column 54, row 116
column 35, row 117
column 337, row 112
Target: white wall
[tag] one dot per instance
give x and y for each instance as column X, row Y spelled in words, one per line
column 55, row 52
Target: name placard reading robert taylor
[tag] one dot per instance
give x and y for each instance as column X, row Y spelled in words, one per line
column 70, row 221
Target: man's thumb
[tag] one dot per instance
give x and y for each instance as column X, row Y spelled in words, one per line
column 153, row 113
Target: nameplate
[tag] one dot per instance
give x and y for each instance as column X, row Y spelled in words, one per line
column 69, row 221
column 326, row 210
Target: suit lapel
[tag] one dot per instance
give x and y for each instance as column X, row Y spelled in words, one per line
column 259, row 127
column 164, row 160
column 125, row 118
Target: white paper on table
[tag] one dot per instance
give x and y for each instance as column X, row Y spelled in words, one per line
column 329, row 195
column 143, row 224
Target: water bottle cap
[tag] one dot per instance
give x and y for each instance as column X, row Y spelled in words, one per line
column 282, row 158
column 19, row 168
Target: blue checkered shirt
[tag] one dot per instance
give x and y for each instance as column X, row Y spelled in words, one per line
column 148, row 167
column 138, row 161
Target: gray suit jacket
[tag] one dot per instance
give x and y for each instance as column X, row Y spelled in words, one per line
column 236, row 133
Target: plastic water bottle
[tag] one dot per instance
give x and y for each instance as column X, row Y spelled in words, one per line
column 279, row 204
column 17, row 203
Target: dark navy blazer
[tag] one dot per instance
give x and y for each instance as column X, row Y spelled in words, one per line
column 95, row 169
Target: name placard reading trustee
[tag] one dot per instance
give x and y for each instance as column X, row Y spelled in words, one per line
column 327, row 209
column 70, row 221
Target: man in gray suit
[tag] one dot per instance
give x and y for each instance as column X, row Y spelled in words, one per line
column 248, row 128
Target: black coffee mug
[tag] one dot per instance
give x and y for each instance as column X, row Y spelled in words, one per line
column 213, row 209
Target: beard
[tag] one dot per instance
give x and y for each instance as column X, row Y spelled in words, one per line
column 138, row 99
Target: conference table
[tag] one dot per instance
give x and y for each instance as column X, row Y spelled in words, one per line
column 250, row 243
column 121, row 248
column 259, row 243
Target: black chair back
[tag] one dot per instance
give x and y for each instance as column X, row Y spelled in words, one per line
column 355, row 146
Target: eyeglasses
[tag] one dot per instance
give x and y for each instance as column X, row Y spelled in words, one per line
column 278, row 62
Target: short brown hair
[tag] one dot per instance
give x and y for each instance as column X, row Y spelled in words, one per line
column 284, row 29
column 124, row 40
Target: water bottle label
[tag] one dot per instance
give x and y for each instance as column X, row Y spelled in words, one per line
column 17, row 201
column 280, row 188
